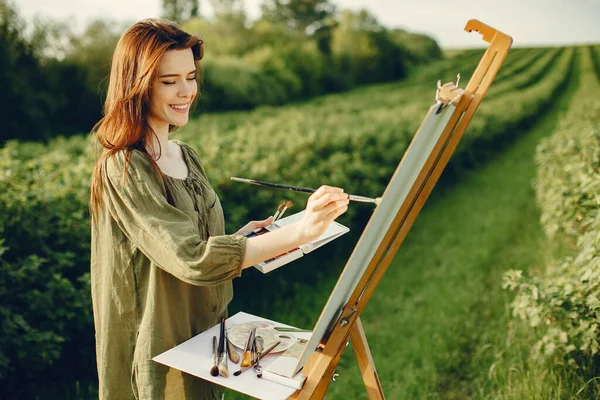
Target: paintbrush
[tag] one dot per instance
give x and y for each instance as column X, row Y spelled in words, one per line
column 223, row 368
column 279, row 210
column 262, row 355
column 287, row 204
column 276, row 216
column 214, row 371
column 352, row 197
column 247, row 356
column 286, row 329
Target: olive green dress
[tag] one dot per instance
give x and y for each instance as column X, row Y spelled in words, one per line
column 160, row 274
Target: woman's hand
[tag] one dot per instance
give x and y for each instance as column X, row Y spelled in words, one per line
column 323, row 206
column 252, row 225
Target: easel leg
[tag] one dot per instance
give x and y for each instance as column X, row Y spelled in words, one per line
column 365, row 361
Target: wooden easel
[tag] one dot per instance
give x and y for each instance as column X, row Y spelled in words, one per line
column 321, row 365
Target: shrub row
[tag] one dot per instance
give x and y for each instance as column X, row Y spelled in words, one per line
column 563, row 301
column 538, row 67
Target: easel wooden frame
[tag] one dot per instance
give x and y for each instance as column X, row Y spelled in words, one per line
column 321, row 365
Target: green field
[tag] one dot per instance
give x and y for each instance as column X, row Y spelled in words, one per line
column 440, row 324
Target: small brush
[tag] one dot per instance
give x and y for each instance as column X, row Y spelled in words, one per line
column 214, row 371
column 286, row 329
column 262, row 355
column 247, row 356
column 278, row 214
column 287, row 204
column 223, row 370
column 279, row 210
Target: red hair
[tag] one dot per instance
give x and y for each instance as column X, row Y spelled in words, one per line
column 134, row 68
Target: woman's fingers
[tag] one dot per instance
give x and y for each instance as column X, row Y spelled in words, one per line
column 324, row 205
column 337, row 212
column 327, row 196
column 332, row 207
column 324, row 193
column 264, row 222
column 323, row 189
column 260, row 224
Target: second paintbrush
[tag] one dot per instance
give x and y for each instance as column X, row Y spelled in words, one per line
column 352, row 197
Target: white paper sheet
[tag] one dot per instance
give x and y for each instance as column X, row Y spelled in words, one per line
column 195, row 357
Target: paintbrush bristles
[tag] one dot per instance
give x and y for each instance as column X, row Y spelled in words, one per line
column 287, row 204
column 279, row 210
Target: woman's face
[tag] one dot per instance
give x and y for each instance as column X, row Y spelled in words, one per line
column 173, row 90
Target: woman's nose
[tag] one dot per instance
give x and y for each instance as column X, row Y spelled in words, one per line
column 186, row 89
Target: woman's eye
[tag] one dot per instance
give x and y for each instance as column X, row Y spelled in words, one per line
column 169, row 82
column 192, row 78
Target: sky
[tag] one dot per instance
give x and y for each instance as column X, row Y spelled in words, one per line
column 529, row 22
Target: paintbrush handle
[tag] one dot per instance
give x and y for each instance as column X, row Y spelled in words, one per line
column 362, row 199
column 286, row 329
column 273, row 185
column 262, row 355
column 352, row 197
column 221, row 347
column 247, row 354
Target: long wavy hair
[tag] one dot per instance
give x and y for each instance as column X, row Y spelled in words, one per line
column 134, row 67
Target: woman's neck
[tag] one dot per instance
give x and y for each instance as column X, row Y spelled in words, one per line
column 159, row 142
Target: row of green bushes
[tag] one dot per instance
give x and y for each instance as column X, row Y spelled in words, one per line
column 538, row 66
column 354, row 140
column 45, row 303
column 501, row 118
column 563, row 300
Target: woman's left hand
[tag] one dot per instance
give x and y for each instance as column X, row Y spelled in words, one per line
column 252, row 225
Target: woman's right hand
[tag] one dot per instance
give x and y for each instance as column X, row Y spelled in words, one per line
column 323, row 206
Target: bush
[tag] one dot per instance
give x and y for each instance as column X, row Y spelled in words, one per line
column 563, row 301
column 44, row 282
column 365, row 51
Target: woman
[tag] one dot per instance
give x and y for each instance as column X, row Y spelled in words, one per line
column 161, row 265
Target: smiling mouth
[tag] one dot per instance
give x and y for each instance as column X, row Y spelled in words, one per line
column 180, row 107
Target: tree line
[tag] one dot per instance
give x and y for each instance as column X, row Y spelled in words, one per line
column 54, row 79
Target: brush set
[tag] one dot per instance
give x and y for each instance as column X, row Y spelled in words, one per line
column 222, row 349
column 283, row 207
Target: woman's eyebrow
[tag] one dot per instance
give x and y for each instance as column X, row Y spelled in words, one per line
column 170, row 75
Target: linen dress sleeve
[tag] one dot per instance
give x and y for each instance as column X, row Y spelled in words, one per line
column 162, row 232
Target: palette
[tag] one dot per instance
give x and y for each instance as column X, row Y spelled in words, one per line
column 238, row 335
